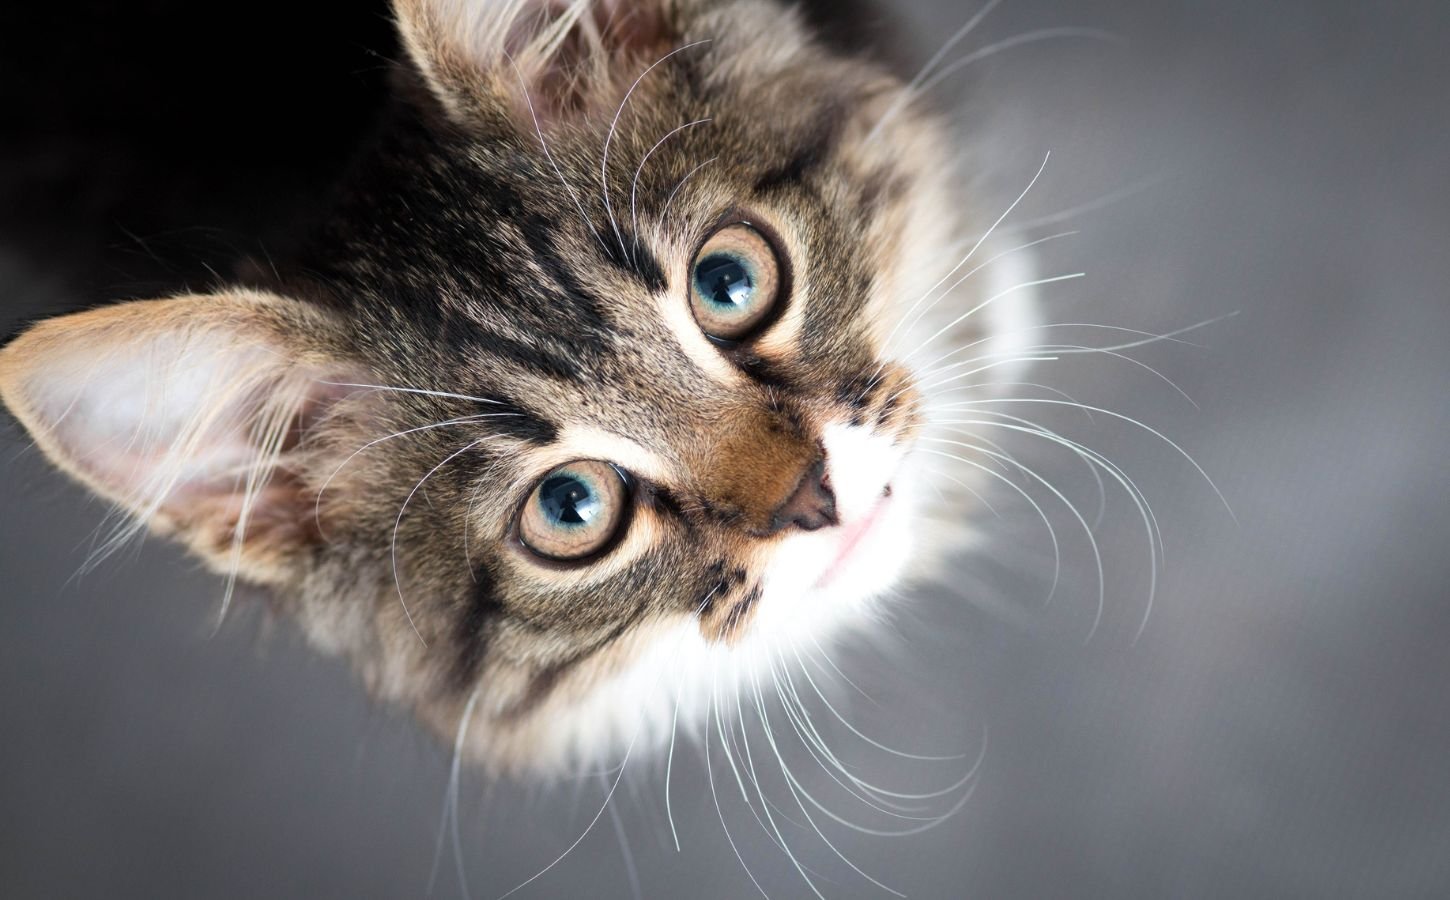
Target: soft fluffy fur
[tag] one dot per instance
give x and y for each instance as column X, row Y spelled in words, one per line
column 501, row 288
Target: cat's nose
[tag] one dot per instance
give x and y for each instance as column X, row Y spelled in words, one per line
column 811, row 506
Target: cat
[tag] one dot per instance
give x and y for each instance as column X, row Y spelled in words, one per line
column 601, row 384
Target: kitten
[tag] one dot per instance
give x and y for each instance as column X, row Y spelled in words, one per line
column 600, row 385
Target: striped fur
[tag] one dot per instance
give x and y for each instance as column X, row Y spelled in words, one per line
column 501, row 288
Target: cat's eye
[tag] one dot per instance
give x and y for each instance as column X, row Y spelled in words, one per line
column 734, row 283
column 575, row 511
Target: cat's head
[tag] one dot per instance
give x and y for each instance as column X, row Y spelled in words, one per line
column 585, row 397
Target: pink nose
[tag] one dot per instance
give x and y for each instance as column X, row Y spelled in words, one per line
column 811, row 506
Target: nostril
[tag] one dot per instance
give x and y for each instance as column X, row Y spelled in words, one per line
column 811, row 506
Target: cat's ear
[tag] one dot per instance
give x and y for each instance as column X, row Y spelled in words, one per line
column 185, row 413
column 546, row 59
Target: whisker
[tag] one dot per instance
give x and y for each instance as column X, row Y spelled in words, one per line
column 912, row 89
column 710, row 777
column 1135, row 494
column 450, row 799
column 578, row 204
column 992, row 299
column 664, row 211
column 914, row 316
column 975, row 247
column 1148, row 338
column 766, row 805
column 1098, row 203
column 1132, row 421
column 614, row 125
column 613, row 787
column 674, row 724
column 317, row 506
column 855, row 731
column 629, row 868
column 1029, row 37
column 960, row 281
column 793, row 785
column 397, row 581
column 815, row 744
column 634, row 185
column 930, row 822
column 407, row 390
column 1051, row 531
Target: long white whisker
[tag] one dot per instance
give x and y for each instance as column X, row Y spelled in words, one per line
column 397, row 580
column 975, row 247
column 921, row 313
column 1029, row 37
column 911, row 91
column 1051, row 531
column 614, row 125
column 624, row 848
column 796, row 791
column 450, row 797
column 1132, row 421
column 1071, row 507
column 419, row 391
column 798, row 716
column 992, row 299
column 588, row 828
column 578, row 204
column 1093, row 205
column 1148, row 338
column 634, row 185
column 1151, row 528
column 664, row 211
column 930, row 822
column 765, row 806
column 317, row 506
column 714, row 795
column 674, row 725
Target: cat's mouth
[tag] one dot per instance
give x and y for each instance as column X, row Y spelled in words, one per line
column 816, row 580
column 853, row 535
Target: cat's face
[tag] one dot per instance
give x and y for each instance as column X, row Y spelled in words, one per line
column 584, row 399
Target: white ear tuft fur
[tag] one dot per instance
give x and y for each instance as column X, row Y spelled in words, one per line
column 558, row 52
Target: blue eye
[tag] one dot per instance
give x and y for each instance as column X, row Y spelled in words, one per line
column 735, row 282
column 725, row 280
column 567, row 501
column 574, row 511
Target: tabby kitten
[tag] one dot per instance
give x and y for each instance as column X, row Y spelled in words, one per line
column 599, row 386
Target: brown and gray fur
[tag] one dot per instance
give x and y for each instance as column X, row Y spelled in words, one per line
column 357, row 432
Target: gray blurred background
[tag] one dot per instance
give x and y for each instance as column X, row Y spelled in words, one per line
column 1282, row 727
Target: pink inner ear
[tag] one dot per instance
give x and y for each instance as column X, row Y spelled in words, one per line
column 122, row 409
column 620, row 26
column 608, row 33
column 184, row 422
column 565, row 56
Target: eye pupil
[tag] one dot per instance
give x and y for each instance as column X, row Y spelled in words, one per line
column 726, row 280
column 567, row 500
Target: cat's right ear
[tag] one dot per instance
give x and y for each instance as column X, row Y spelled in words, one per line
column 192, row 414
column 544, row 59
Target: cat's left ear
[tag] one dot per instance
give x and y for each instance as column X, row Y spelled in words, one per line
column 189, row 413
column 545, row 59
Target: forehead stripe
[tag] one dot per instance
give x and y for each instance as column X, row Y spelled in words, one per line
column 813, row 150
